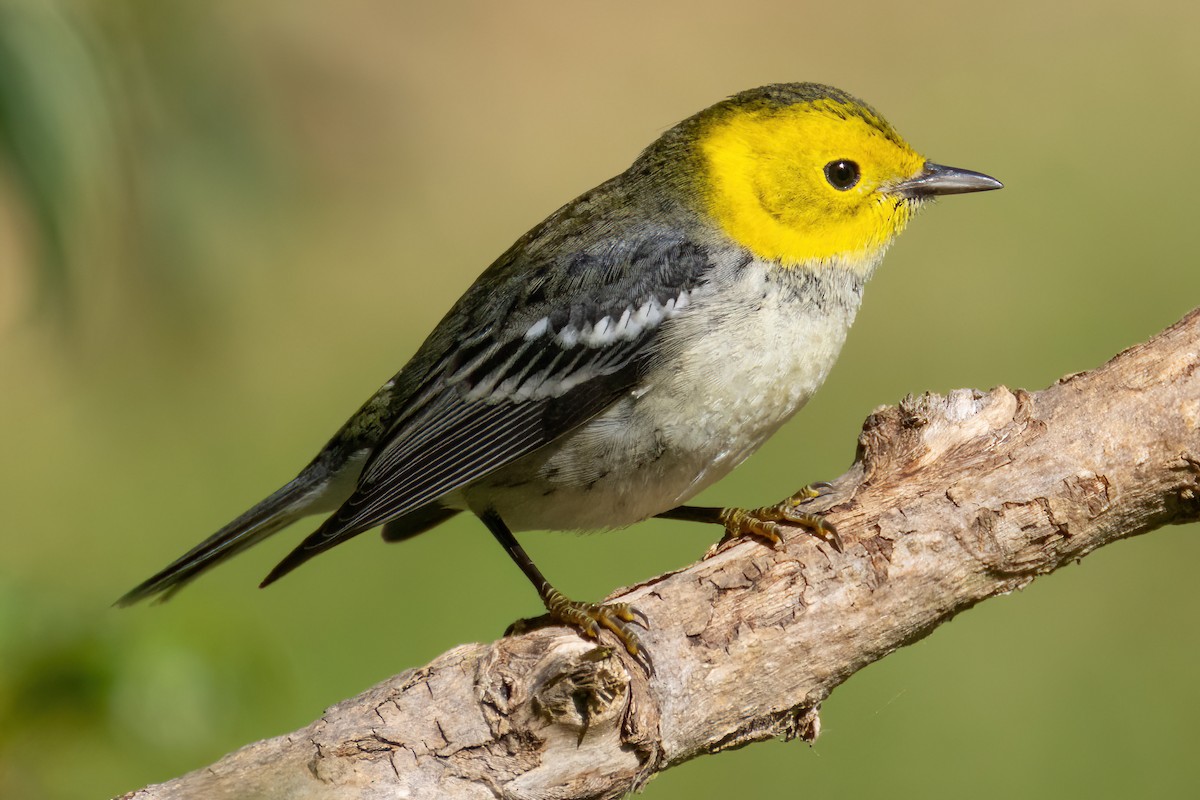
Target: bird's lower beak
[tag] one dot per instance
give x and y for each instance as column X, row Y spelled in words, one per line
column 935, row 179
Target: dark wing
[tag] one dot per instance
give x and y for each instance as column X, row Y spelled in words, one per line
column 521, row 377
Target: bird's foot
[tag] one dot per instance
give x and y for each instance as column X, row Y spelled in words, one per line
column 768, row 521
column 590, row 618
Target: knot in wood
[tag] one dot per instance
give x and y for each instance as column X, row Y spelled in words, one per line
column 587, row 693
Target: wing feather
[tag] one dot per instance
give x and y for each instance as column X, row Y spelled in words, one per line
column 488, row 400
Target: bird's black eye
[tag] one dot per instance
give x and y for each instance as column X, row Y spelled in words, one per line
column 842, row 174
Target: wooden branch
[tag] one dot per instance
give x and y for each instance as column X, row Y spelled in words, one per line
column 951, row 500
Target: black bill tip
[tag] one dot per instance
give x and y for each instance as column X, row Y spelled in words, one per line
column 936, row 180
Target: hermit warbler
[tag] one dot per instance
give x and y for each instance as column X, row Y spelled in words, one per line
column 630, row 350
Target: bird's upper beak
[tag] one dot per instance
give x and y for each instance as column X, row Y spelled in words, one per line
column 935, row 179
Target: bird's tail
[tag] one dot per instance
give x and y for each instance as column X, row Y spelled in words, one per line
column 305, row 495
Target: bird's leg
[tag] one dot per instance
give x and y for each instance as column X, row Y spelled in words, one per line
column 768, row 521
column 588, row 618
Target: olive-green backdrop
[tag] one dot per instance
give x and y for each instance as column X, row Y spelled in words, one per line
column 223, row 224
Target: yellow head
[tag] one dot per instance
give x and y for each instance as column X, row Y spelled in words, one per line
column 804, row 174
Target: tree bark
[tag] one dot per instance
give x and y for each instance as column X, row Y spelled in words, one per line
column 951, row 500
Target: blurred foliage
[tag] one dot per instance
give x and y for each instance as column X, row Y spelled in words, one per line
column 223, row 224
column 126, row 141
column 47, row 84
column 66, row 677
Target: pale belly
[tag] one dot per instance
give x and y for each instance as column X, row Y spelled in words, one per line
column 726, row 380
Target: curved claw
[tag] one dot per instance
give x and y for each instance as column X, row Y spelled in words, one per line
column 643, row 658
column 821, row 528
column 640, row 618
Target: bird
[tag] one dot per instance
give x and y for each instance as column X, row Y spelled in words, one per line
column 628, row 351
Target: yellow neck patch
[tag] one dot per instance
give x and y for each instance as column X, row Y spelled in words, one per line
column 768, row 191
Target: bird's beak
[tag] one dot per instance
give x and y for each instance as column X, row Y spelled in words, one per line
column 935, row 179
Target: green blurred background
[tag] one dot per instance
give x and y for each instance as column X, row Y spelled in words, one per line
column 223, row 224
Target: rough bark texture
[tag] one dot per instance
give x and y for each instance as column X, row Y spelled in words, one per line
column 951, row 500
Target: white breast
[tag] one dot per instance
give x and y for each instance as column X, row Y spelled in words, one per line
column 734, row 367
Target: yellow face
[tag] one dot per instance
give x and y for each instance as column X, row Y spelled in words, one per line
column 808, row 183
